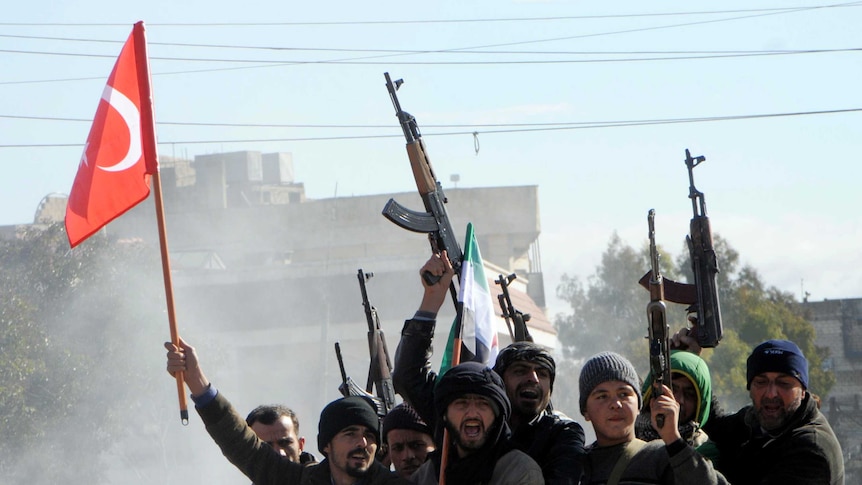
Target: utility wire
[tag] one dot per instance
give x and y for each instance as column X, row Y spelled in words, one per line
column 385, row 51
column 430, row 21
column 760, row 13
column 663, row 57
column 501, row 128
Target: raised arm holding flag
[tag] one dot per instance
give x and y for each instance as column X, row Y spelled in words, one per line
column 119, row 159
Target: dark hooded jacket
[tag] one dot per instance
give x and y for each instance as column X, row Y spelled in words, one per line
column 555, row 442
column 804, row 451
column 497, row 462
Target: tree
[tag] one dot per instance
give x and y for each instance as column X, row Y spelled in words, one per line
column 70, row 322
column 609, row 312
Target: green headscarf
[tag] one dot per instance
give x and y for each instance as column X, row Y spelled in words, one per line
column 695, row 369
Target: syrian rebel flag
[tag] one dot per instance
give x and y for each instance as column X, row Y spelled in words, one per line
column 478, row 320
column 120, row 153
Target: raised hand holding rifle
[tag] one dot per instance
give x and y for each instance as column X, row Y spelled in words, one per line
column 659, row 332
column 435, row 220
column 516, row 321
column 702, row 295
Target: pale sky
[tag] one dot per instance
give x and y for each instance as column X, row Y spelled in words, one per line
column 781, row 189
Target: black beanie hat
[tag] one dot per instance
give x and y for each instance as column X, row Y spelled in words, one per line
column 526, row 351
column 344, row 412
column 403, row 416
column 471, row 378
column 778, row 356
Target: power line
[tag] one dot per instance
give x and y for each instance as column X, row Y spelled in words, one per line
column 391, row 51
column 470, row 62
column 434, row 21
column 760, row 13
column 473, row 129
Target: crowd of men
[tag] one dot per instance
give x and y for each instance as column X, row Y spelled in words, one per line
column 495, row 425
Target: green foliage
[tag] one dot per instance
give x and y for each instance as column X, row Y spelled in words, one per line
column 68, row 320
column 604, row 310
column 609, row 312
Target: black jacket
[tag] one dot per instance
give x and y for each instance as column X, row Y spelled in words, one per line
column 261, row 462
column 555, row 443
column 804, row 451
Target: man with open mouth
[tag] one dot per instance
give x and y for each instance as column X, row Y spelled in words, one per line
column 782, row 437
column 471, row 404
column 528, row 370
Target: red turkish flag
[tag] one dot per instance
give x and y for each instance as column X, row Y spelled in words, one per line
column 120, row 154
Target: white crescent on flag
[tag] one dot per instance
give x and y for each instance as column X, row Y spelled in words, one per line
column 132, row 117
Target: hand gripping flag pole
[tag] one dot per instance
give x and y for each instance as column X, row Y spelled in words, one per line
column 119, row 160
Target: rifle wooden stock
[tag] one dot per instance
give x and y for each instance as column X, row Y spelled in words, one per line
column 674, row 291
column 426, row 181
column 435, row 220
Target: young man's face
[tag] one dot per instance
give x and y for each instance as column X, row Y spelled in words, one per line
column 528, row 386
column 686, row 395
column 469, row 419
column 408, row 450
column 281, row 435
column 352, row 451
column 612, row 407
column 776, row 396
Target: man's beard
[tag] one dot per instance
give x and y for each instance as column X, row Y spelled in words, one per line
column 358, row 471
column 475, row 444
column 776, row 421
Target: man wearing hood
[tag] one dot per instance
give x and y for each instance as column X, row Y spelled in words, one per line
column 471, row 404
column 692, row 389
column 528, row 370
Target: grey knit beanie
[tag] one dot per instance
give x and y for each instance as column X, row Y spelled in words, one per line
column 603, row 367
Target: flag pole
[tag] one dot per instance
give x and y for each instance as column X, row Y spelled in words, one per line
column 456, row 359
column 151, row 157
column 169, row 292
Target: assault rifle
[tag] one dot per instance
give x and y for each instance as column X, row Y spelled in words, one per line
column 380, row 368
column 659, row 332
column 515, row 319
column 435, row 220
column 702, row 295
column 704, row 263
column 349, row 387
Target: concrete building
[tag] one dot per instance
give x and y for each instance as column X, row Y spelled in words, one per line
column 839, row 327
column 266, row 279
